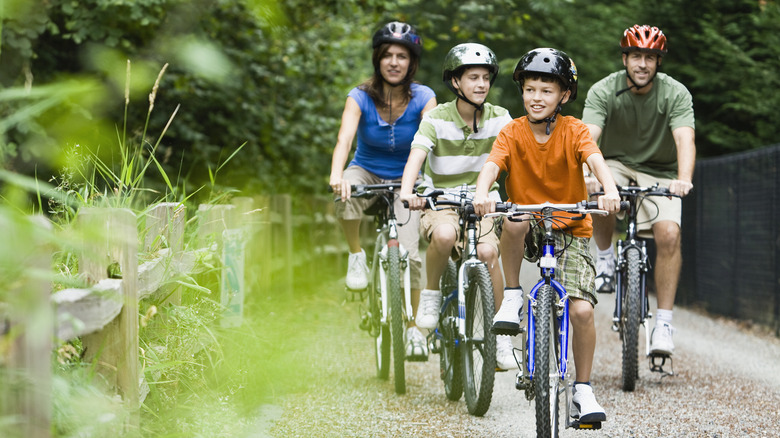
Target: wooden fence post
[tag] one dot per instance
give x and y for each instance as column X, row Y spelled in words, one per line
column 27, row 393
column 165, row 225
column 111, row 239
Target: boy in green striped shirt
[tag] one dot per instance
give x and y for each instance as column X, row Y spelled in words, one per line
column 453, row 141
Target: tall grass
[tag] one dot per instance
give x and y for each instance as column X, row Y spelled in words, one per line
column 180, row 346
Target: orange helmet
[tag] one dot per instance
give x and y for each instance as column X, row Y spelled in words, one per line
column 644, row 38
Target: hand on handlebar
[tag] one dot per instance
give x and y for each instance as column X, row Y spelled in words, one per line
column 483, row 205
column 680, row 187
column 341, row 187
column 413, row 202
column 592, row 184
column 609, row 202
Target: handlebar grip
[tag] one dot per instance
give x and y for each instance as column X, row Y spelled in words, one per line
column 594, row 205
column 503, row 207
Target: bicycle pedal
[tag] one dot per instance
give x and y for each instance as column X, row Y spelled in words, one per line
column 506, row 328
column 656, row 367
column 354, row 295
column 575, row 424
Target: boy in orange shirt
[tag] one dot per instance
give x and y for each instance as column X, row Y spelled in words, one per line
column 543, row 154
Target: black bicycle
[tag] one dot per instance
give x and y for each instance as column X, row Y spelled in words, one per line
column 466, row 347
column 389, row 290
column 632, row 307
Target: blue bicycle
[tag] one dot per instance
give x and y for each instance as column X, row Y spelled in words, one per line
column 466, row 347
column 543, row 370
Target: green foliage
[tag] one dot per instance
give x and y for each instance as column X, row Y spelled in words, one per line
column 273, row 75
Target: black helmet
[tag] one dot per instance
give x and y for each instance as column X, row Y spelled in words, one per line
column 469, row 55
column 550, row 62
column 398, row 33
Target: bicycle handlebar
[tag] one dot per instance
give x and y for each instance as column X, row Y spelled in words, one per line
column 653, row 190
column 582, row 207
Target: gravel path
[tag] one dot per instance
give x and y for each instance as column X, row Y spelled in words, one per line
column 727, row 384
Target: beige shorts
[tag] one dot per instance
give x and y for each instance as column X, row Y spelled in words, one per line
column 486, row 229
column 408, row 220
column 654, row 208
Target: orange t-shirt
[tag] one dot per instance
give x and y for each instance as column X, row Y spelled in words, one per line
column 546, row 172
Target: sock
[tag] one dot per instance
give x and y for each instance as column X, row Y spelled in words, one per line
column 606, row 253
column 662, row 316
column 514, row 288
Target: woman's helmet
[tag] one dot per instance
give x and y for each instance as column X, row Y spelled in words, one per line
column 549, row 62
column 398, row 33
column 644, row 38
column 468, row 55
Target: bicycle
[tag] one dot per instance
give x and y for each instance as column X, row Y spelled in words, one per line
column 632, row 307
column 389, row 278
column 466, row 347
column 543, row 371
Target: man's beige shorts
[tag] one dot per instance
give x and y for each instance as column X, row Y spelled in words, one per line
column 486, row 228
column 653, row 208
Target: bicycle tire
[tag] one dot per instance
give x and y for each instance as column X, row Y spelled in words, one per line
column 630, row 320
column 450, row 369
column 546, row 380
column 479, row 352
column 396, row 316
column 379, row 330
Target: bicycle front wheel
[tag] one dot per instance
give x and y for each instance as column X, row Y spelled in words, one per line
column 479, row 352
column 546, row 378
column 396, row 317
column 449, row 362
column 630, row 323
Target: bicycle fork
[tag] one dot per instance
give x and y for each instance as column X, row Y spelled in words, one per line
column 622, row 267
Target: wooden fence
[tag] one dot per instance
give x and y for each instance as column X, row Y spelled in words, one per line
column 122, row 266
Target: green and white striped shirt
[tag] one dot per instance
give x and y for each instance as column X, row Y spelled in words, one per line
column 455, row 153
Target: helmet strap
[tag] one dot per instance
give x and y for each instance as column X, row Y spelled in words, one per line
column 549, row 120
column 634, row 84
column 477, row 108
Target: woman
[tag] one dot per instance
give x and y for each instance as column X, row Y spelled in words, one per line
column 384, row 112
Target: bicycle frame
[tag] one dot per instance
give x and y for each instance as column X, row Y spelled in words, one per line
column 387, row 235
column 547, row 264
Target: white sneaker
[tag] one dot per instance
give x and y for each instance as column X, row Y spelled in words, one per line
column 416, row 345
column 505, row 357
column 605, row 274
column 661, row 339
column 357, row 271
column 428, row 309
column 584, row 405
column 507, row 319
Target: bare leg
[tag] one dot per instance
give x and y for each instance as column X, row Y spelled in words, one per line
column 603, row 227
column 583, row 338
column 512, row 247
column 487, row 254
column 352, row 234
column 668, row 261
column 438, row 253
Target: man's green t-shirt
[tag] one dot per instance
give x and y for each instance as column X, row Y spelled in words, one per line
column 455, row 152
column 637, row 129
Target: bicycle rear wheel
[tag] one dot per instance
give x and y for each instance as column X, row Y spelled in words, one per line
column 396, row 316
column 546, row 378
column 630, row 321
column 379, row 329
column 479, row 352
column 449, row 362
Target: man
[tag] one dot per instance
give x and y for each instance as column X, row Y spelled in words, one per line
column 644, row 123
